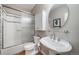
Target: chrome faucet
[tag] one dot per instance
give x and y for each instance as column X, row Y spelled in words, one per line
column 52, row 36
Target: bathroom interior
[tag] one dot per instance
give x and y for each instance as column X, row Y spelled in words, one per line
column 39, row 29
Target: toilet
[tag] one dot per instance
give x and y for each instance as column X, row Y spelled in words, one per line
column 32, row 48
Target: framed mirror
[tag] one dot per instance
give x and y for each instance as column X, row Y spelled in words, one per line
column 58, row 15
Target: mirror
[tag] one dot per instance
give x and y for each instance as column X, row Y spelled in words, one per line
column 58, row 15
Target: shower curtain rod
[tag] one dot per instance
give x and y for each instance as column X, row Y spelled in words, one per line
column 17, row 9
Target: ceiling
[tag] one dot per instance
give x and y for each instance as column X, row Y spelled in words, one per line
column 25, row 7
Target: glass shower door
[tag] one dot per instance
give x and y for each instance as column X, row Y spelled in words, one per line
column 16, row 33
column 9, row 34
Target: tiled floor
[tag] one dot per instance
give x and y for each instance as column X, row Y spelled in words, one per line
column 23, row 53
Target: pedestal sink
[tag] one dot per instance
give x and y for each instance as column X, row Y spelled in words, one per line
column 60, row 46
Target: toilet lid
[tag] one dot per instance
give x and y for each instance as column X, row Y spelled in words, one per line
column 29, row 46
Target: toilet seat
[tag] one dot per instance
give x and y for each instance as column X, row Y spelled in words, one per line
column 29, row 45
column 32, row 48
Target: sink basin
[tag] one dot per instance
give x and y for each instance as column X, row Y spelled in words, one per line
column 61, row 46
